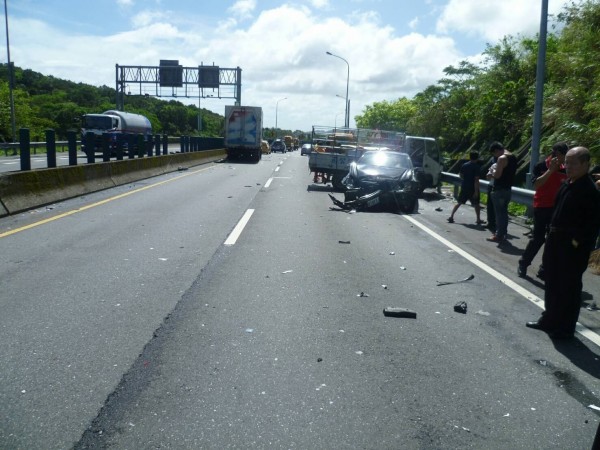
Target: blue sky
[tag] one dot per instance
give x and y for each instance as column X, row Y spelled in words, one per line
column 394, row 48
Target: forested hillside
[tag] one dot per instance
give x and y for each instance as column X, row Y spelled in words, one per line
column 475, row 104
column 43, row 102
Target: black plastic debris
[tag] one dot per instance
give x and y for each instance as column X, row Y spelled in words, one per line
column 344, row 242
column 438, row 209
column 362, row 294
column 461, row 307
column 443, row 283
column 319, row 359
column 181, row 169
column 391, row 311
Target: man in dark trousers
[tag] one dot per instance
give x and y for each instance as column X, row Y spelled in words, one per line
column 469, row 188
column 503, row 177
column 573, row 229
column 547, row 177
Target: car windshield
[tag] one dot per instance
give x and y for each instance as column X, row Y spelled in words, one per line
column 386, row 159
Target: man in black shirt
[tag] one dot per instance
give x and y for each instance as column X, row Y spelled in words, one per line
column 573, row 229
column 503, row 177
column 469, row 188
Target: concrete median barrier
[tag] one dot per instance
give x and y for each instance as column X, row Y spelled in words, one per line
column 20, row 191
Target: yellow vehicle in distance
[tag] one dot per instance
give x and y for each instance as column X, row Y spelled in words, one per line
column 288, row 140
column 265, row 148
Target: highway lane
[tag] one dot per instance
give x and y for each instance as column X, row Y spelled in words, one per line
column 266, row 343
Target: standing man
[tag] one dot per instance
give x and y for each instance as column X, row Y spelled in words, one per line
column 469, row 188
column 547, row 177
column 503, row 176
column 573, row 229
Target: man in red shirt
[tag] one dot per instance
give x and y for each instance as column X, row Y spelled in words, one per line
column 547, row 177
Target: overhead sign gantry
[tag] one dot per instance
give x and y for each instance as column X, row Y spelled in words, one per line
column 170, row 79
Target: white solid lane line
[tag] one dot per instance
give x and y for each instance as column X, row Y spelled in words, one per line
column 237, row 231
column 595, row 338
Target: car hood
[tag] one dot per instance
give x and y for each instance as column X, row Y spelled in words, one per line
column 368, row 171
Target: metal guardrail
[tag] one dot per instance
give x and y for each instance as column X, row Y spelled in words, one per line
column 518, row 195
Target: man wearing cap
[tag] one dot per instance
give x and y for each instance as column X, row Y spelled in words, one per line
column 547, row 177
column 573, row 229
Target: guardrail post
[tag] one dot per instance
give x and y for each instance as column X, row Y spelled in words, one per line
column 149, row 145
column 182, row 144
column 90, row 149
column 165, row 144
column 140, row 145
column 24, row 145
column 72, row 143
column 51, row 148
column 105, row 147
column 157, row 144
column 131, row 145
column 187, row 144
column 119, row 146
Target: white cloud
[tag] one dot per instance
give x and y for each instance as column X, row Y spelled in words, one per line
column 243, row 9
column 319, row 4
column 281, row 54
column 491, row 19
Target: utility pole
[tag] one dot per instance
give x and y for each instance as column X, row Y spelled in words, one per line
column 11, row 78
column 539, row 94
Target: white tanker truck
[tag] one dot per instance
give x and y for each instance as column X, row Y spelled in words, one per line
column 115, row 123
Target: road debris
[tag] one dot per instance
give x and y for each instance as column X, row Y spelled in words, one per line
column 287, row 271
column 343, row 242
column 362, row 294
column 597, row 408
column 391, row 311
column 181, row 169
column 592, row 307
column 443, row 283
column 461, row 307
column 384, row 286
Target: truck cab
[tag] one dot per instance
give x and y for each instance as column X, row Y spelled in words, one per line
column 427, row 160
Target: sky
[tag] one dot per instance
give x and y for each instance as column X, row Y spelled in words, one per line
column 390, row 48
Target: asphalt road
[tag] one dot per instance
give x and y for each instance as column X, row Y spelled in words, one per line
column 129, row 320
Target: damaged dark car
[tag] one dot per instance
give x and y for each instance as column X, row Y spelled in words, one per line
column 380, row 181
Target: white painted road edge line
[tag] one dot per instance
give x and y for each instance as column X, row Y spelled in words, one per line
column 268, row 183
column 589, row 334
column 235, row 234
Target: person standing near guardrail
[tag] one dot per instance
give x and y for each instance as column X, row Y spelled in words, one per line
column 573, row 230
column 547, row 177
column 503, row 176
column 469, row 188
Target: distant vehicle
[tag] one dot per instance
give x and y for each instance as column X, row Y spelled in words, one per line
column 306, row 149
column 264, row 147
column 278, row 146
column 243, row 132
column 117, row 125
column 289, row 143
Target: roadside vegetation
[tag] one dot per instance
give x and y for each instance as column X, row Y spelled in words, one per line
column 475, row 104
column 471, row 106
